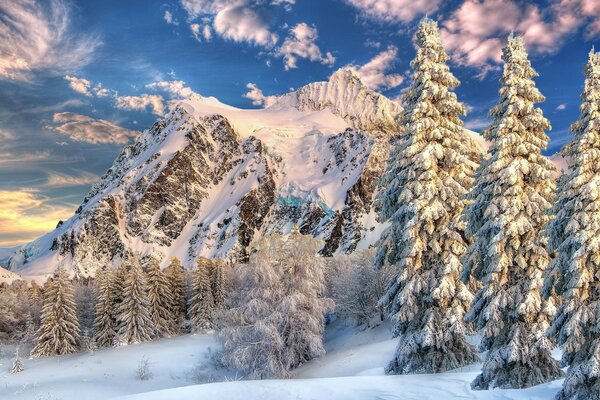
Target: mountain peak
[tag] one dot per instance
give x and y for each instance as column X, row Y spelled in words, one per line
column 348, row 97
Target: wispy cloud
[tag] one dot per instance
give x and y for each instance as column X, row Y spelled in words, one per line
column 79, row 85
column 83, row 128
column 169, row 19
column 58, row 179
column 301, row 44
column 37, row 36
column 561, row 107
column 176, row 89
column 26, row 214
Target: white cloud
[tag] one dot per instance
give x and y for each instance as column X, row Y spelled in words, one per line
column 57, row 179
column 374, row 73
column 475, row 33
column 395, row 10
column 169, row 19
column 141, row 103
column 242, row 23
column 36, row 36
column 561, row 107
column 83, row 128
column 477, row 124
column 100, row 91
column 201, row 32
column 301, row 44
column 245, row 21
column 176, row 89
column 79, row 85
column 257, row 96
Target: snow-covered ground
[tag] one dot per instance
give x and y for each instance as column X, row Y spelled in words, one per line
column 351, row 369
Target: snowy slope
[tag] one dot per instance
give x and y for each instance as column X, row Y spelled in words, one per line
column 8, row 276
column 209, row 179
column 351, row 369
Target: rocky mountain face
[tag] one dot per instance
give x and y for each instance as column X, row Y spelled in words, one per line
column 209, row 179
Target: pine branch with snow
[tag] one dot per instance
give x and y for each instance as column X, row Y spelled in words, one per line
column 573, row 236
column 429, row 173
column 511, row 202
column 59, row 329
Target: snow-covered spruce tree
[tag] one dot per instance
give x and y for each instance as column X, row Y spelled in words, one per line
column 134, row 324
column 59, row 329
column 160, row 301
column 300, row 315
column 17, row 365
column 429, row 173
column 513, row 197
column 218, row 281
column 175, row 277
column 202, row 306
column 574, row 237
column 105, row 324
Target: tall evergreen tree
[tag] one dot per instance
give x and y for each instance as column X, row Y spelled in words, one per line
column 511, row 202
column 218, row 281
column 574, row 237
column 105, row 323
column 429, row 172
column 160, row 301
column 175, row 277
column 134, row 321
column 59, row 330
column 202, row 305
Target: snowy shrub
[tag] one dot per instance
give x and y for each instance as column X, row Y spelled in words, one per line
column 356, row 286
column 142, row 371
column 276, row 319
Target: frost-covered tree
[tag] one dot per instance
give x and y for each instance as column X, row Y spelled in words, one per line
column 300, row 315
column 275, row 319
column 202, row 306
column 511, row 202
column 175, row 276
column 161, row 300
column 105, row 324
column 59, row 330
column 134, row 324
column 355, row 286
column 574, row 236
column 218, row 281
column 429, row 173
column 17, row 365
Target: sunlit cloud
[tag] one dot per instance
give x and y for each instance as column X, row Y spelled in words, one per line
column 27, row 214
column 257, row 96
column 375, row 73
column 79, row 85
column 37, row 36
column 395, row 10
column 142, row 103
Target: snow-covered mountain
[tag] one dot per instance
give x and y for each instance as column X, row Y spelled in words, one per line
column 208, row 179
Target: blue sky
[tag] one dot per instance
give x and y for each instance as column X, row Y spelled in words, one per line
column 78, row 79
